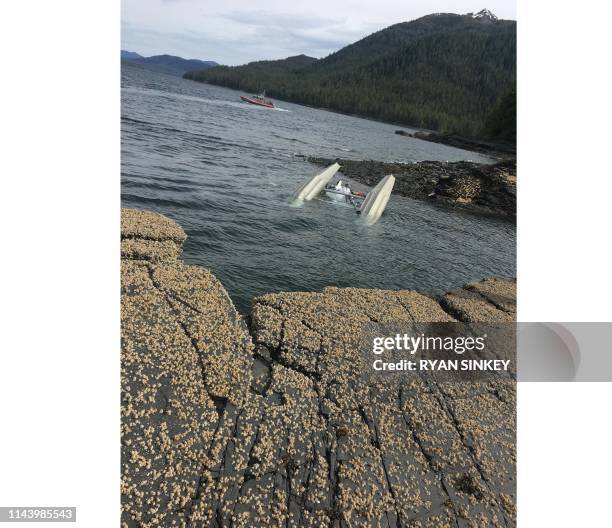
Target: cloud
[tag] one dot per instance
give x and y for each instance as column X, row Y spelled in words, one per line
column 267, row 19
column 247, row 36
column 234, row 32
column 278, row 35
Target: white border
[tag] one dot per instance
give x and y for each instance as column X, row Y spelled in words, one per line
column 565, row 188
column 564, row 179
column 60, row 167
column 60, row 216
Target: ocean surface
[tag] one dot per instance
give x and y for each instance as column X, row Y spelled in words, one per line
column 225, row 171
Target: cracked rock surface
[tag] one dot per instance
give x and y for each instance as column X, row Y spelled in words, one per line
column 272, row 426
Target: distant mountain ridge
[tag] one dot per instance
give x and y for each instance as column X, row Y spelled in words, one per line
column 444, row 72
column 169, row 64
column 128, row 55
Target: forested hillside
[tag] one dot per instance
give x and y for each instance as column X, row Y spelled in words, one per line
column 445, row 72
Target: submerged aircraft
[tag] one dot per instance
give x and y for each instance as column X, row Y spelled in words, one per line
column 370, row 206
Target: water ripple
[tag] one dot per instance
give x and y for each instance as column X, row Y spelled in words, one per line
column 225, row 170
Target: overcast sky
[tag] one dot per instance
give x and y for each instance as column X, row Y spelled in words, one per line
column 240, row 31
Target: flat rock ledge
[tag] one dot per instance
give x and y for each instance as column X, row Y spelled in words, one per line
column 225, row 425
column 150, row 236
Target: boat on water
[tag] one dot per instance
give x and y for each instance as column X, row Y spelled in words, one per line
column 259, row 100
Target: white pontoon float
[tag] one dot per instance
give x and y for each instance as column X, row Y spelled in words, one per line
column 370, row 206
column 315, row 185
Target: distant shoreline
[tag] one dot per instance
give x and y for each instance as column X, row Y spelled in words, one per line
column 497, row 150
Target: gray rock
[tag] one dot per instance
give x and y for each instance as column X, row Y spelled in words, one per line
column 480, row 188
column 222, row 426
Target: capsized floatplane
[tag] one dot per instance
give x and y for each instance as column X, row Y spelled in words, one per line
column 370, row 206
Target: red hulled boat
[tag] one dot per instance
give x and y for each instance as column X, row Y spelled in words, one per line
column 259, row 100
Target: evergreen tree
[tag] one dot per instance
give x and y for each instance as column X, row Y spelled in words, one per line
column 443, row 72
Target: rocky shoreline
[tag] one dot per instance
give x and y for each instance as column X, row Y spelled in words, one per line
column 229, row 424
column 465, row 185
column 501, row 151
